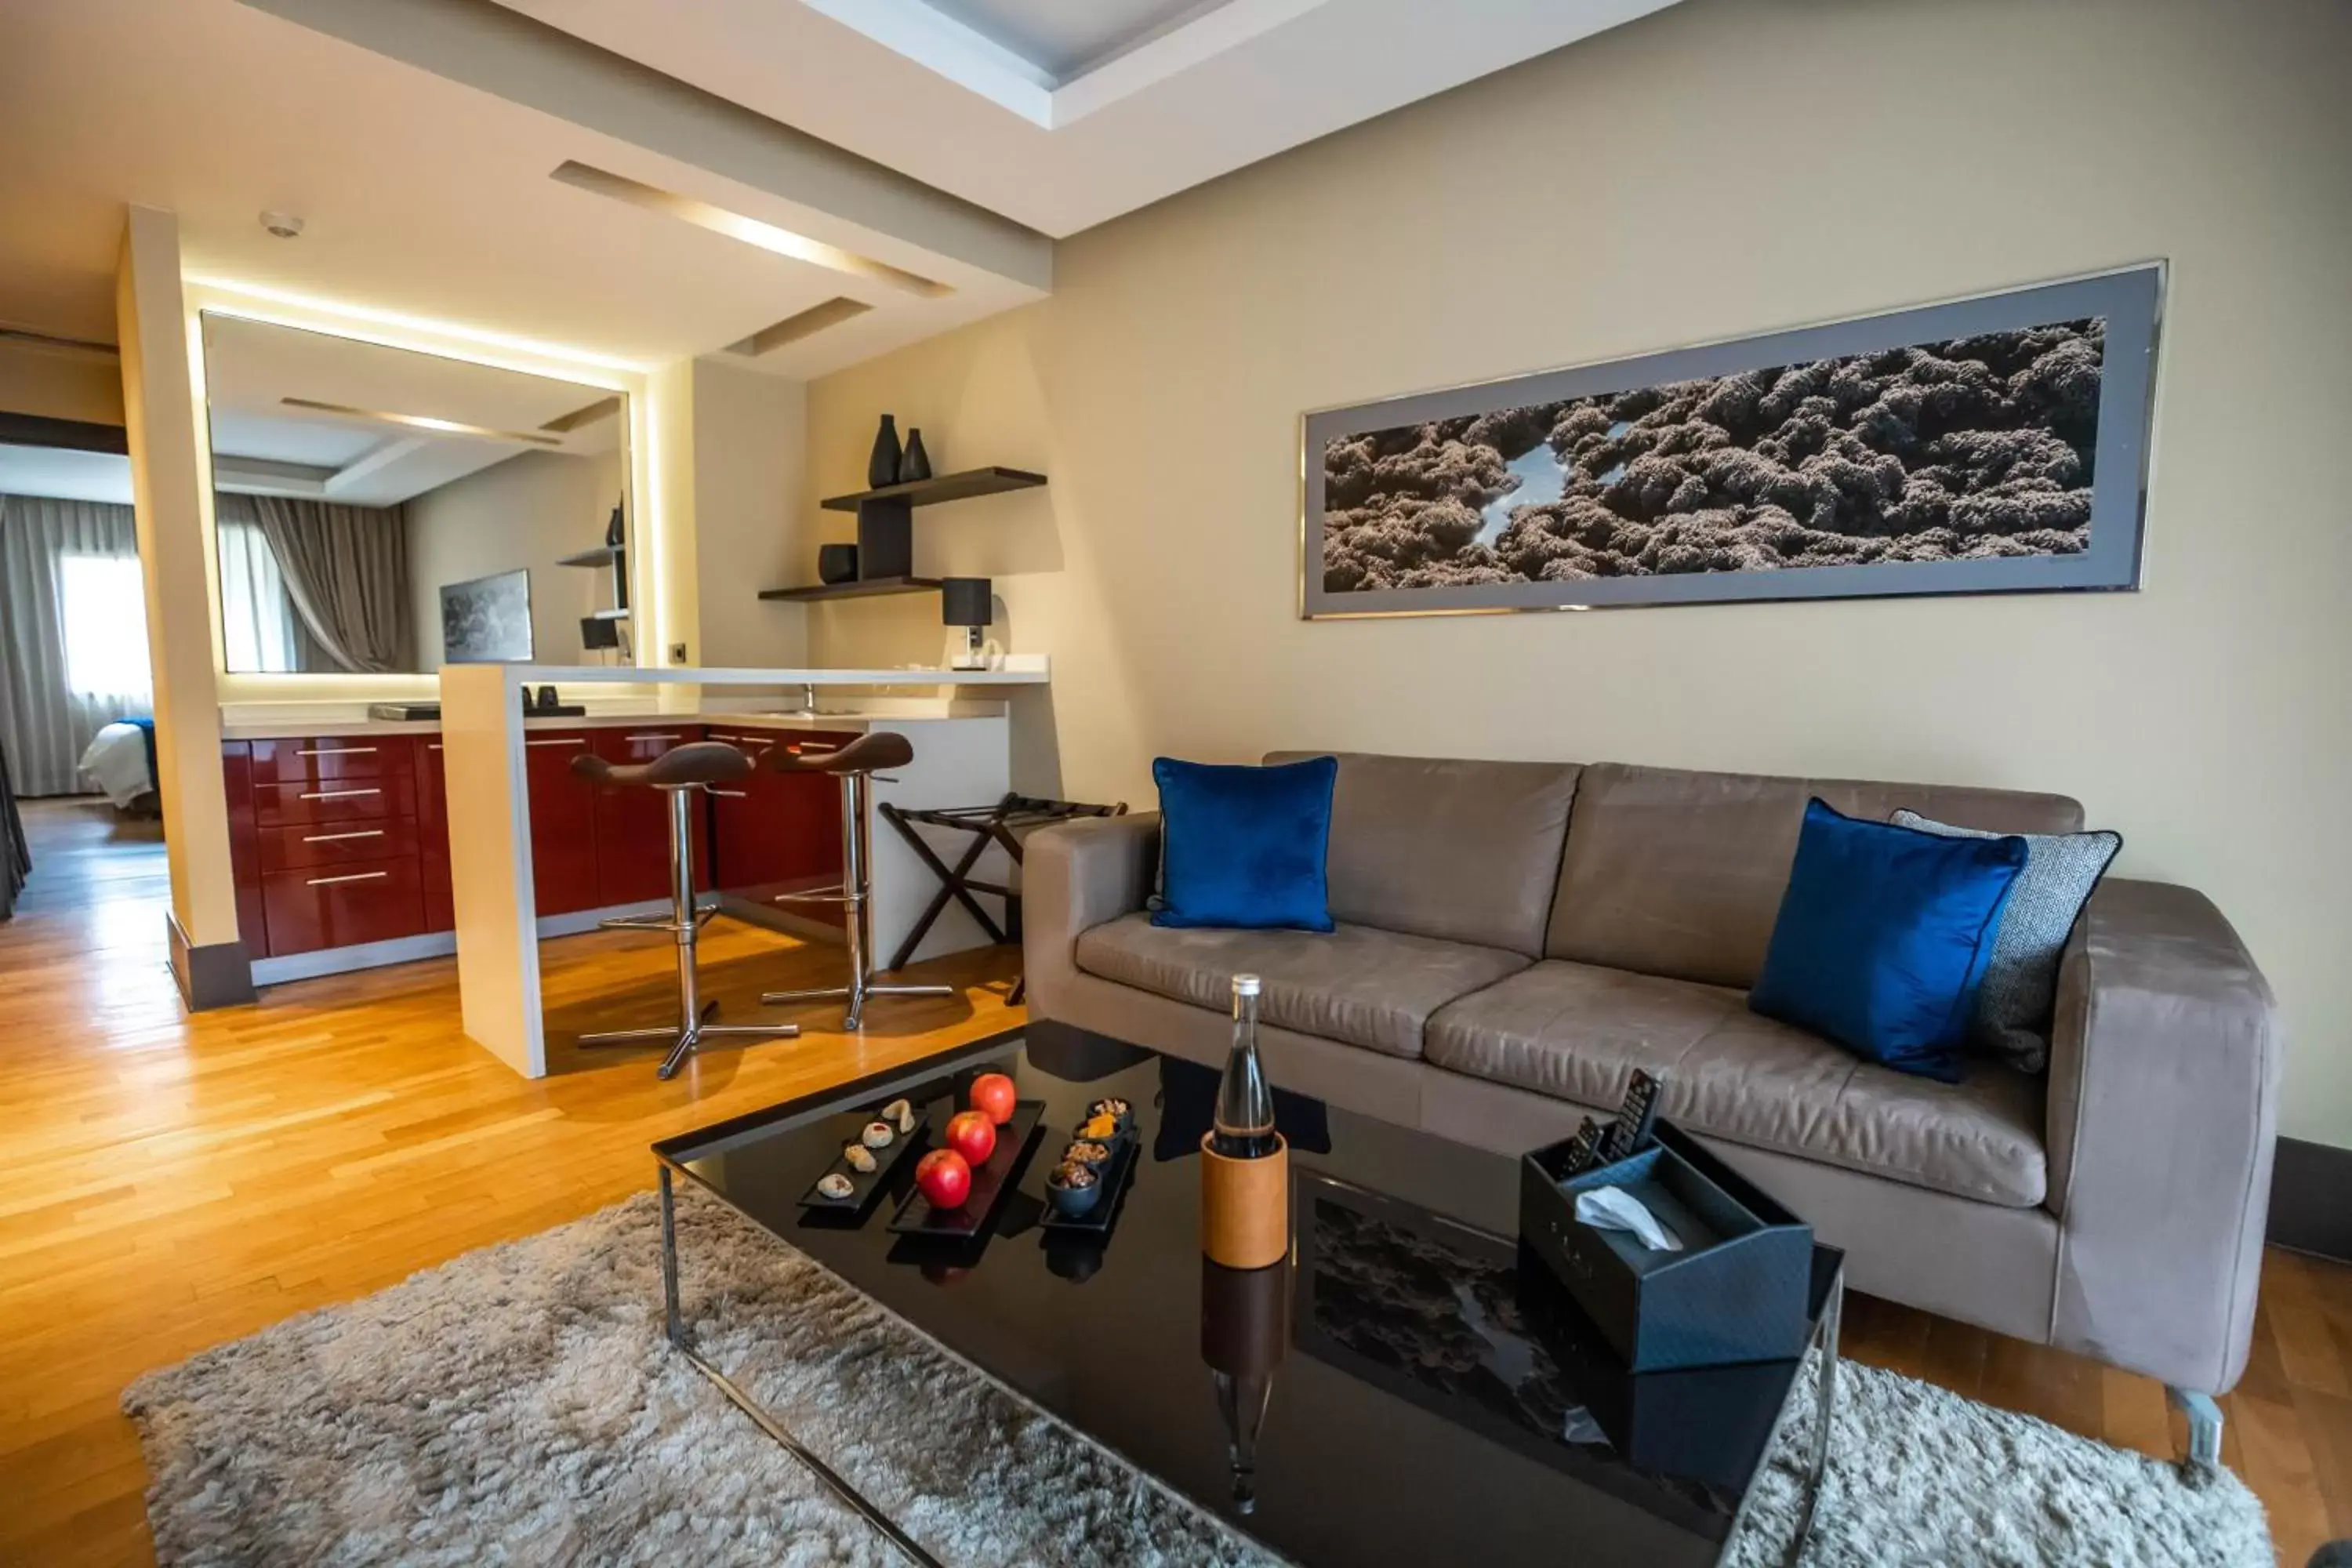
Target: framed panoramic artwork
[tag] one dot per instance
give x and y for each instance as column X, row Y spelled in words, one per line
column 1986, row 446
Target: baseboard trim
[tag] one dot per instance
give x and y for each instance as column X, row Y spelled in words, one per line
column 2310, row 1198
column 215, row 974
column 359, row 955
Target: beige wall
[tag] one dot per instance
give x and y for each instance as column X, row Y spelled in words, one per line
column 60, row 384
column 526, row 512
column 748, row 473
column 1717, row 170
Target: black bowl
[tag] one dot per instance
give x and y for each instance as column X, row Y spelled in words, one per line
column 1073, row 1202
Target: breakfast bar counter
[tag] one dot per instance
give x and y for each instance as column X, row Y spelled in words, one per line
column 492, row 748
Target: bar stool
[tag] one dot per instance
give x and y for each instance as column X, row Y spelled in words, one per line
column 853, row 764
column 678, row 773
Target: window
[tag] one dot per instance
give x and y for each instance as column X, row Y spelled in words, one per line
column 104, row 610
column 256, row 621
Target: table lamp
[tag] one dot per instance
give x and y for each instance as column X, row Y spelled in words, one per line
column 967, row 602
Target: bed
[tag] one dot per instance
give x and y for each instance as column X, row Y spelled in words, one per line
column 121, row 760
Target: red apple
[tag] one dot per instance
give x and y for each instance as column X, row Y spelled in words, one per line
column 971, row 1135
column 993, row 1095
column 945, row 1177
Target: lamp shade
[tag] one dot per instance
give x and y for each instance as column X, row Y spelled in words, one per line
column 965, row 602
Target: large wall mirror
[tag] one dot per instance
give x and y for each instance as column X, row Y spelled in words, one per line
column 382, row 511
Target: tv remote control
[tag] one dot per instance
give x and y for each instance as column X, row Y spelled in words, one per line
column 1637, row 1117
column 1584, row 1149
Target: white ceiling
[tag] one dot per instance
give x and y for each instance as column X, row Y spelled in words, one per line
column 1062, row 37
column 65, row 474
column 422, row 196
column 922, row 85
column 421, row 164
column 252, row 368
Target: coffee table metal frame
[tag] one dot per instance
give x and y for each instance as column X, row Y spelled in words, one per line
column 1824, row 1343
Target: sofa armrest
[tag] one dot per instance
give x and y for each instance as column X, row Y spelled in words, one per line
column 2164, row 1077
column 1074, row 876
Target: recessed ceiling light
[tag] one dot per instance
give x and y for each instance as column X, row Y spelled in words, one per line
column 285, row 225
column 421, row 422
column 735, row 225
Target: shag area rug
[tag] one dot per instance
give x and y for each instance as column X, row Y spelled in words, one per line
column 520, row 1405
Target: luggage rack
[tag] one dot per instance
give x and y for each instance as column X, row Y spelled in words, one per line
column 1001, row 825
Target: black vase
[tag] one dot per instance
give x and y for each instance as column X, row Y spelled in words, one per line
column 882, row 468
column 916, row 463
column 836, row 563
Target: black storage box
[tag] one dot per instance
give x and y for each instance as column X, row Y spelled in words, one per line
column 1737, row 1292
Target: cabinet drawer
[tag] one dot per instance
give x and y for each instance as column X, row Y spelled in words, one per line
column 330, row 801
column 319, row 907
column 334, row 844
column 365, row 757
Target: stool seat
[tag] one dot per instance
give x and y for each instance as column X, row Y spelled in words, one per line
column 681, row 767
column 870, row 752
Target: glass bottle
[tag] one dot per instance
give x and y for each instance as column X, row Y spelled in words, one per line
column 1243, row 1123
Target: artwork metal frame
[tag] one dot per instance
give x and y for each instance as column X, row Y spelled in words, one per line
column 2128, row 300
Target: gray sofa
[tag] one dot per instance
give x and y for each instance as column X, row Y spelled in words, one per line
column 1516, row 938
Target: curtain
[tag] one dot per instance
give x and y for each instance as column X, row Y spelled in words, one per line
column 257, row 619
column 15, row 853
column 73, row 627
column 346, row 571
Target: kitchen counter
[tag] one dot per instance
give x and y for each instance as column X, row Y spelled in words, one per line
column 962, row 757
column 312, row 724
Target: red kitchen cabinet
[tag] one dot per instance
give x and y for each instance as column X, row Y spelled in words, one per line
column 632, row 859
column 562, row 822
column 244, row 847
column 313, row 907
column 330, row 758
column 433, row 837
column 779, row 833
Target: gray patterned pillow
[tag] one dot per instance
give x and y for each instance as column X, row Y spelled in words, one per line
column 2021, row 982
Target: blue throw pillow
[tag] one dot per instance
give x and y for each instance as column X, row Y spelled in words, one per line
column 1245, row 846
column 1883, row 937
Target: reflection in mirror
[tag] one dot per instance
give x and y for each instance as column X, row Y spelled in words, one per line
column 354, row 484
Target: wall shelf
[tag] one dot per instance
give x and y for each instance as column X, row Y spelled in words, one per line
column 941, row 488
column 857, row 588
column 602, row 556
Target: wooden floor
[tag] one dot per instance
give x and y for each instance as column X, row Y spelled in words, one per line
column 168, row 1182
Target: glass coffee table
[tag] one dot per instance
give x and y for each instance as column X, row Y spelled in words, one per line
column 1409, row 1388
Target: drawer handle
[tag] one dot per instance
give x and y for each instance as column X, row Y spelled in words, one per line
column 336, row 752
column 821, row 749
column 727, row 794
column 337, row 794
column 559, row 740
column 355, row 877
column 339, row 838
column 653, row 737
column 432, row 745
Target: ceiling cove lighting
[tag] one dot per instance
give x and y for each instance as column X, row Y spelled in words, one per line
column 423, row 334
column 422, row 422
column 735, row 225
column 794, row 328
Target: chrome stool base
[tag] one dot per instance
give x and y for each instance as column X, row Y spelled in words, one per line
column 685, row 923
column 855, row 893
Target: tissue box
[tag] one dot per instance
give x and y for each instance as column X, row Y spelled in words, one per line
column 1737, row 1292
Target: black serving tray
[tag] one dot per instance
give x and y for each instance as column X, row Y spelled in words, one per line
column 866, row 1183
column 1126, row 1153
column 1738, row 1290
column 989, row 1182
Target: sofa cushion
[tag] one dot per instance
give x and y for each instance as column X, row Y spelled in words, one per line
column 1578, row 1032
column 1680, row 874
column 1359, row 984
column 1461, row 851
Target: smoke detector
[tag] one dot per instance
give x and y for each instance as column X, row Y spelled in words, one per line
column 285, row 225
